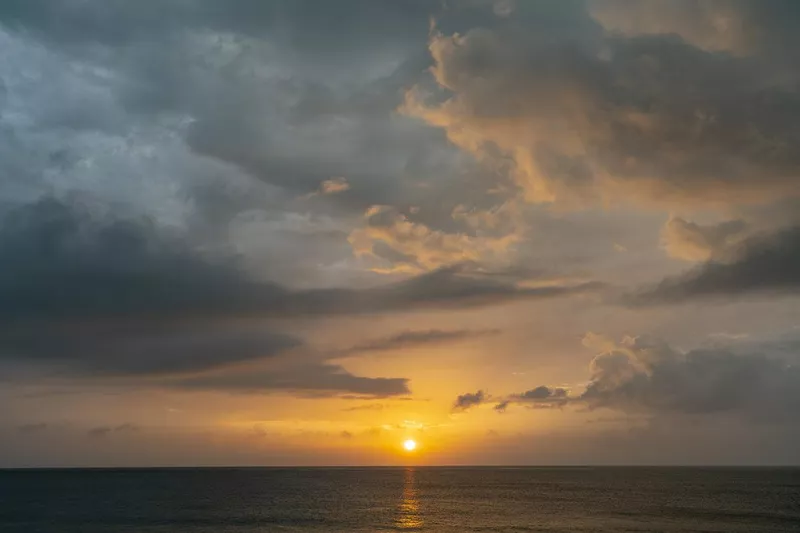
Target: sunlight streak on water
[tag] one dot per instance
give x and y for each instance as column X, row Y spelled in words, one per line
column 408, row 510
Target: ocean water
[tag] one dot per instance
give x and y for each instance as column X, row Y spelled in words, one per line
column 457, row 500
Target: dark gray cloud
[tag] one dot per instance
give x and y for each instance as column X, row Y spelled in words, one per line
column 541, row 397
column 768, row 263
column 61, row 262
column 314, row 380
column 64, row 263
column 144, row 349
column 225, row 118
column 414, row 339
column 467, row 401
column 541, row 393
column 642, row 374
column 502, row 406
column 87, row 294
column 302, row 25
column 271, row 87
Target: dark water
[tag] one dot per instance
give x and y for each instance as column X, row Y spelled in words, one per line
column 365, row 500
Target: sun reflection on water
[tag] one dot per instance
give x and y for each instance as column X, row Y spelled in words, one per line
column 408, row 512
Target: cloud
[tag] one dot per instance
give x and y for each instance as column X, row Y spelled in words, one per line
column 763, row 263
column 644, row 119
column 467, row 401
column 334, row 186
column 457, row 287
column 414, row 339
column 64, row 261
column 643, row 374
column 741, row 27
column 315, row 380
column 85, row 294
column 111, row 297
column 401, row 245
column 711, row 25
column 502, row 406
column 541, row 397
column 694, row 242
column 303, row 24
column 105, row 431
column 204, row 117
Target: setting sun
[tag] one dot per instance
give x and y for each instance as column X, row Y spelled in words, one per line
column 410, row 445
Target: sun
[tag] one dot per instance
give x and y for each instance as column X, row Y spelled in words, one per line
column 410, row 445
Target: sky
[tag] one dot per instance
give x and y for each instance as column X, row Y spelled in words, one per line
column 300, row 232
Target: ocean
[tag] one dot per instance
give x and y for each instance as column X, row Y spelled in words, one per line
column 457, row 500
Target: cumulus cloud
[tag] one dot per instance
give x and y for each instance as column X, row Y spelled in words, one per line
column 635, row 118
column 401, row 245
column 467, row 401
column 763, row 263
column 642, row 374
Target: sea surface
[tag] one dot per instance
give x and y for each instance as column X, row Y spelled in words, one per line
column 457, row 500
